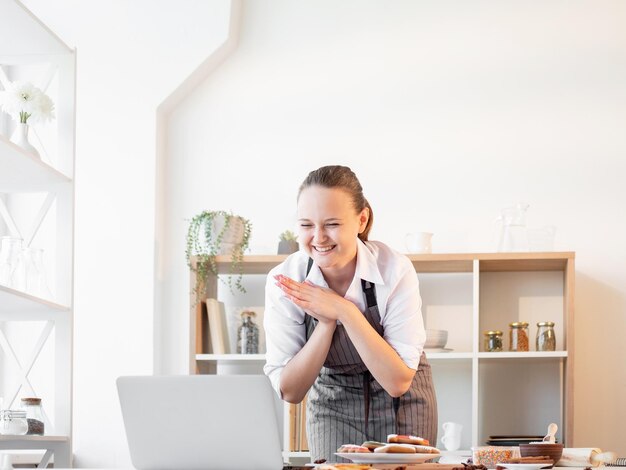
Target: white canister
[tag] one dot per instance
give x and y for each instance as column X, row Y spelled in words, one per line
column 13, row 423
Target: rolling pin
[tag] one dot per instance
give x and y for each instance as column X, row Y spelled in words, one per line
column 584, row 457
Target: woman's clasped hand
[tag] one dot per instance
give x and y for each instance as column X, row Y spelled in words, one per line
column 321, row 303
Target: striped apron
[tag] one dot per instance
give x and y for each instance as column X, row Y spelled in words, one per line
column 346, row 405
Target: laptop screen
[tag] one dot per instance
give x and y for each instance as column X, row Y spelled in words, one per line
column 201, row 422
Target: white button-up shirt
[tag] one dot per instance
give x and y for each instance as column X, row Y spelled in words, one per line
column 397, row 294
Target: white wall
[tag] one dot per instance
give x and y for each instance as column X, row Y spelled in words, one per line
column 448, row 111
column 130, row 57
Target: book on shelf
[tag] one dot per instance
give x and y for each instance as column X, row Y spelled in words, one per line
column 218, row 329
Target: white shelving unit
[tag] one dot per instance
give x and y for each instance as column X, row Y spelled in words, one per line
column 489, row 393
column 37, row 205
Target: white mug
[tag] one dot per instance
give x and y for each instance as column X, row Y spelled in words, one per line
column 6, row 461
column 452, row 436
column 419, row 242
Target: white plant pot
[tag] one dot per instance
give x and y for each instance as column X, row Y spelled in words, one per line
column 233, row 236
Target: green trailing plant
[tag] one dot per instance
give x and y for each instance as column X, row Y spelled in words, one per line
column 288, row 236
column 204, row 244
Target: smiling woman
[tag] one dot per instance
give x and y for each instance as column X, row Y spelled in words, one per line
column 343, row 322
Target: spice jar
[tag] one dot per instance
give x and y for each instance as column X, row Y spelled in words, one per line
column 518, row 336
column 13, row 422
column 493, row 341
column 248, row 334
column 546, row 340
column 34, row 415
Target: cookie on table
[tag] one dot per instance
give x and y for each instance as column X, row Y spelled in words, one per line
column 426, row 450
column 371, row 445
column 407, row 439
column 353, row 449
column 396, row 449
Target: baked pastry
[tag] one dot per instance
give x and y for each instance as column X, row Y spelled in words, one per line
column 426, row 450
column 371, row 445
column 396, row 449
column 353, row 448
column 406, row 439
column 343, row 466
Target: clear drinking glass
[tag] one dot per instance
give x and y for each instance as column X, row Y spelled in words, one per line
column 36, row 282
column 9, row 255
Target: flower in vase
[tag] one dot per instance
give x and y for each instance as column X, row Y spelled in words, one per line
column 26, row 103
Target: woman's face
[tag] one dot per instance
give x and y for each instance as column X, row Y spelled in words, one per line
column 328, row 226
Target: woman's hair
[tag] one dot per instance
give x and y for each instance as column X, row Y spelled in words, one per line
column 341, row 177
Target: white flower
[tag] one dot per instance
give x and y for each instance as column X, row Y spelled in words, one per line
column 24, row 101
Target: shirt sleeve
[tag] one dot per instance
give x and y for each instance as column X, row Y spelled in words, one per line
column 285, row 331
column 403, row 323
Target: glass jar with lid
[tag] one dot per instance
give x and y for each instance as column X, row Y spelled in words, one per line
column 493, row 341
column 248, row 334
column 34, row 415
column 13, row 423
column 546, row 339
column 518, row 336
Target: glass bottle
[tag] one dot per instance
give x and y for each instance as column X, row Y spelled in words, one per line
column 9, row 254
column 518, row 336
column 546, row 339
column 36, row 282
column 248, row 335
column 493, row 341
column 13, row 422
column 34, row 415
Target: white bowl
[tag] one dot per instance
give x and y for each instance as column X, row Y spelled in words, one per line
column 436, row 339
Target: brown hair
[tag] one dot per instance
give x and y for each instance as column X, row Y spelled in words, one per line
column 341, row 177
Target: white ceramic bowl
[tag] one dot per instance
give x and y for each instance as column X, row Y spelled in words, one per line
column 436, row 339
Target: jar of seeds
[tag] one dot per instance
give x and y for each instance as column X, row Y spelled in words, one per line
column 518, row 336
column 546, row 339
column 493, row 341
column 34, row 415
column 248, row 334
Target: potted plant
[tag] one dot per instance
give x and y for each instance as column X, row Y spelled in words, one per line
column 288, row 243
column 213, row 233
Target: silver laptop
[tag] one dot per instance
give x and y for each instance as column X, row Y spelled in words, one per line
column 209, row 422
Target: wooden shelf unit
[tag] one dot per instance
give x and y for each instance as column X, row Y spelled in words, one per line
column 479, row 368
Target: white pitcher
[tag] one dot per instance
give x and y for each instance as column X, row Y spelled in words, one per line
column 512, row 233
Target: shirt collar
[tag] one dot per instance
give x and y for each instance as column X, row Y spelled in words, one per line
column 367, row 264
column 366, row 267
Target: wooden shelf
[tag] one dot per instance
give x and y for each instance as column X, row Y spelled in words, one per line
column 493, row 299
column 17, row 303
column 431, row 263
column 230, row 357
column 24, row 172
column 35, row 440
column 522, row 355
